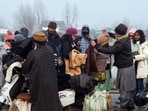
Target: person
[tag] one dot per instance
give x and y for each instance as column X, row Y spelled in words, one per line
column 140, row 54
column 76, row 39
column 8, row 39
column 131, row 33
column 5, row 55
column 18, row 36
column 78, row 42
column 85, row 42
column 126, row 80
column 21, row 34
column 71, row 52
column 24, row 32
column 39, row 65
column 54, row 41
column 72, row 31
column 98, row 62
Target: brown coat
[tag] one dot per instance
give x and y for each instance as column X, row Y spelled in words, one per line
column 100, row 60
column 96, row 61
column 90, row 66
column 73, row 64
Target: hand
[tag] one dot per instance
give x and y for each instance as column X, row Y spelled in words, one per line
column 93, row 43
column 9, row 44
column 104, row 30
column 59, row 60
column 22, row 62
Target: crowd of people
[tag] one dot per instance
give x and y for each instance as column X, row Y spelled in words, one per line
column 47, row 58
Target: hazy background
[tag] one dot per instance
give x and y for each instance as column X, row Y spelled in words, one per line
column 95, row 13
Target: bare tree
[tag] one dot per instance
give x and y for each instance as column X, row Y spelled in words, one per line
column 75, row 15
column 25, row 18
column 31, row 16
column 70, row 15
column 40, row 13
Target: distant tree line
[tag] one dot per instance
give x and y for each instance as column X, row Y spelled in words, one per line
column 31, row 16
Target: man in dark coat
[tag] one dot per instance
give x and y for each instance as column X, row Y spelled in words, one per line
column 43, row 78
column 54, row 41
column 126, row 80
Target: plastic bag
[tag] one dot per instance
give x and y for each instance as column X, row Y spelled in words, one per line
column 95, row 101
column 114, row 71
column 106, row 85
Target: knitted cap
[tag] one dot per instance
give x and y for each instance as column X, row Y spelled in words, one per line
column 73, row 31
column 121, row 29
column 103, row 38
column 52, row 24
column 40, row 36
column 132, row 30
column 9, row 36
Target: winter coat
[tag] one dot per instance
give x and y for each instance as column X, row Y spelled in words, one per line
column 90, row 66
column 73, row 64
column 142, row 70
column 54, row 41
column 84, row 44
column 96, row 61
column 100, row 60
column 43, row 79
column 67, row 45
column 22, row 47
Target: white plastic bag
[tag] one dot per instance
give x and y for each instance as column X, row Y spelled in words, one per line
column 114, row 71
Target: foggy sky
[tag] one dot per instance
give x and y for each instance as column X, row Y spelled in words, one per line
column 95, row 13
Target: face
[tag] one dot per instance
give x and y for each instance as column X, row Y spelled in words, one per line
column 85, row 30
column 51, row 29
column 137, row 36
column 131, row 35
column 79, row 41
column 8, row 42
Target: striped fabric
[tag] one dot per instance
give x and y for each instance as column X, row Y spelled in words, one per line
column 95, row 102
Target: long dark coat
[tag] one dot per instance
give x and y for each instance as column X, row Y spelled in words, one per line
column 43, row 79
